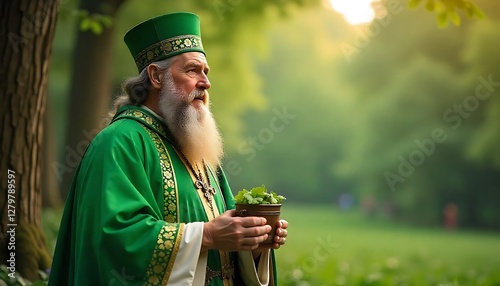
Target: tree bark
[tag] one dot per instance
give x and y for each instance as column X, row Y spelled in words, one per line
column 90, row 91
column 27, row 32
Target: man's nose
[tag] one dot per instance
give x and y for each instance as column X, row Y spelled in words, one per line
column 203, row 83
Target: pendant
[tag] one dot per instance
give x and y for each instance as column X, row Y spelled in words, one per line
column 207, row 190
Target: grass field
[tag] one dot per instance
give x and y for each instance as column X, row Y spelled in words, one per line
column 328, row 247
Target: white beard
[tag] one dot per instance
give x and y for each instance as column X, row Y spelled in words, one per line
column 195, row 131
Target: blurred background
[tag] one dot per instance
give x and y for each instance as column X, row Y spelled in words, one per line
column 378, row 120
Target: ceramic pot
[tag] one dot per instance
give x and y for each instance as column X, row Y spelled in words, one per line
column 270, row 212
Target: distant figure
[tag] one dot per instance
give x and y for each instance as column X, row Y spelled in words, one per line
column 346, row 201
column 369, row 206
column 450, row 214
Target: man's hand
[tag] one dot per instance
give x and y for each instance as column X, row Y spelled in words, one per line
column 231, row 233
column 279, row 239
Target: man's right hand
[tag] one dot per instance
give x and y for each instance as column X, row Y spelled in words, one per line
column 229, row 232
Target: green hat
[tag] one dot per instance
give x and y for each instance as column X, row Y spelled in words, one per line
column 164, row 37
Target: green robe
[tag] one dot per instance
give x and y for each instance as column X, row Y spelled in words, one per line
column 127, row 208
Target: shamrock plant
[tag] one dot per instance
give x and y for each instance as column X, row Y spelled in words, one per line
column 258, row 196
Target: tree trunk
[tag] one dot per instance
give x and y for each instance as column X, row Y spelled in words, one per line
column 27, row 31
column 91, row 89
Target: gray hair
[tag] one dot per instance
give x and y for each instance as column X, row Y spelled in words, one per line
column 135, row 89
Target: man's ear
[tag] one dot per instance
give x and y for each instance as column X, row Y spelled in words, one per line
column 155, row 76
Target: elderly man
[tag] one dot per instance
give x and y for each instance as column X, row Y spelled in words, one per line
column 149, row 204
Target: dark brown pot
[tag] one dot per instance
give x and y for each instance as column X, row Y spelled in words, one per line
column 270, row 212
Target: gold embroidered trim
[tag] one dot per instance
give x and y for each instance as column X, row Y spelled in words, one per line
column 169, row 238
column 170, row 203
column 226, row 274
column 165, row 48
column 174, row 254
column 144, row 118
column 164, row 254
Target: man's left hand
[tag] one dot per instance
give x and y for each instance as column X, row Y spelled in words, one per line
column 281, row 234
column 279, row 239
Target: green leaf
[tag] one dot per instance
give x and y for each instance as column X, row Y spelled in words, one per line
column 96, row 27
column 477, row 12
column 105, row 20
column 257, row 195
column 455, row 18
column 248, row 198
column 239, row 196
column 280, row 199
column 85, row 24
column 442, row 19
column 258, row 191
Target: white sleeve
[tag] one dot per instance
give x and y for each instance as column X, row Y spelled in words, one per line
column 254, row 276
column 190, row 264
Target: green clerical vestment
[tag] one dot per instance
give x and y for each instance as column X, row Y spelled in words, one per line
column 128, row 207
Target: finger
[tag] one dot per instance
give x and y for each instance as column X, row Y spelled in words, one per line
column 283, row 232
column 279, row 239
column 230, row 213
column 254, row 241
column 256, row 231
column 252, row 221
column 284, row 223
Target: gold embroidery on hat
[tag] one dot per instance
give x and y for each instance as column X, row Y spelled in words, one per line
column 165, row 48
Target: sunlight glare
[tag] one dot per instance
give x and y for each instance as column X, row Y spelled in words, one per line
column 355, row 11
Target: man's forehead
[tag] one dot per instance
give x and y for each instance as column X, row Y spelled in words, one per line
column 193, row 57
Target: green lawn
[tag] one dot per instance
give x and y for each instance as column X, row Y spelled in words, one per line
column 329, row 247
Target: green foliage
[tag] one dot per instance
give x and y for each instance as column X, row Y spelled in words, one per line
column 480, row 54
column 355, row 116
column 446, row 10
column 258, row 196
column 95, row 23
column 233, row 35
column 351, row 119
column 51, row 219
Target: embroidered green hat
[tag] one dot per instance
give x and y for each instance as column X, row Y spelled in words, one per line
column 164, row 37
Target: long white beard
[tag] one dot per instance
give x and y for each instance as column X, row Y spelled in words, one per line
column 195, row 131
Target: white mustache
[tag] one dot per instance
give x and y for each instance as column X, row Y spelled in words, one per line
column 197, row 94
